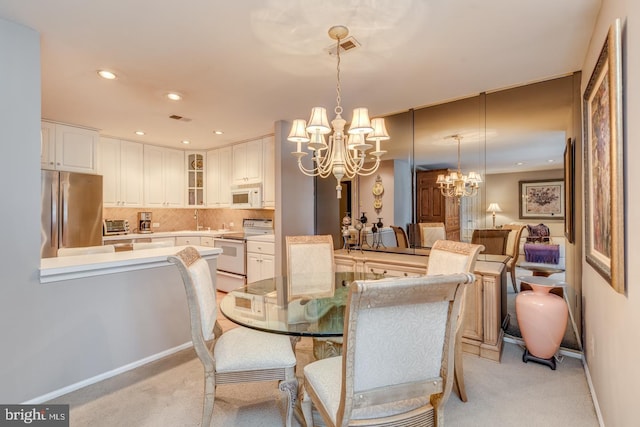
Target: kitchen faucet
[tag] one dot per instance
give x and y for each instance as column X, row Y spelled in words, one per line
column 196, row 217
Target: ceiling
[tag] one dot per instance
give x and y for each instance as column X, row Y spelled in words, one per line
column 243, row 65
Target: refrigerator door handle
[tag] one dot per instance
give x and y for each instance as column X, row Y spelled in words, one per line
column 54, row 213
column 64, row 211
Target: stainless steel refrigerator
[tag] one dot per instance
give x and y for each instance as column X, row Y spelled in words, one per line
column 71, row 211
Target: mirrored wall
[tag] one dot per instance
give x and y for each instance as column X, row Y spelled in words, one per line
column 512, row 131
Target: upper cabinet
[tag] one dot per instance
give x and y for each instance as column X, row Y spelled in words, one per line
column 68, row 148
column 121, row 164
column 195, row 178
column 218, row 176
column 269, row 167
column 163, row 177
column 247, row 162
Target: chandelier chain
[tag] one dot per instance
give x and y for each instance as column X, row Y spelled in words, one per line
column 338, row 109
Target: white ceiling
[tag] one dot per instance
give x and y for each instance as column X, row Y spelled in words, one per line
column 241, row 65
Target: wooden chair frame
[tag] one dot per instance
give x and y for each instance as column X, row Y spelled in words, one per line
column 511, row 264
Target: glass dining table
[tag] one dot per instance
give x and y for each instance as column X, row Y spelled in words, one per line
column 298, row 306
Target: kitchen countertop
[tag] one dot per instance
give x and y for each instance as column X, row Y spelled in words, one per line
column 73, row 267
column 180, row 233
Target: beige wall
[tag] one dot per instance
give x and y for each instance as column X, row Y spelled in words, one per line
column 612, row 320
column 504, row 189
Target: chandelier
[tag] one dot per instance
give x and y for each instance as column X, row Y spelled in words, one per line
column 456, row 184
column 343, row 155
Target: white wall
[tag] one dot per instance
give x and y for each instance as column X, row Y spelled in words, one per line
column 55, row 335
column 612, row 320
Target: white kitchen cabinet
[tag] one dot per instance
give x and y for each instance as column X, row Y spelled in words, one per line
column 163, row 177
column 121, row 164
column 207, row 241
column 269, row 169
column 260, row 261
column 68, row 148
column 247, row 162
column 187, row 240
column 170, row 240
column 218, row 176
column 195, row 167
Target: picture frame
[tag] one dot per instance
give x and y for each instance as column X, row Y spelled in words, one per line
column 604, row 164
column 542, row 199
column 569, row 196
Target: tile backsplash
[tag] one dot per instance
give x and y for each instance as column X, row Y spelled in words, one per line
column 184, row 218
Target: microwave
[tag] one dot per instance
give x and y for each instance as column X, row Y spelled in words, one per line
column 246, row 197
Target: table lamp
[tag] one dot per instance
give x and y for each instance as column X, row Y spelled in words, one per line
column 493, row 208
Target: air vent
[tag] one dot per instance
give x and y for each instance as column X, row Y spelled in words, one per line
column 180, row 118
column 346, row 45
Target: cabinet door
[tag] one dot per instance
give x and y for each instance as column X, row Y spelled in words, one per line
column 153, row 176
column 131, row 175
column 239, row 172
column 195, row 166
column 213, row 178
column 253, row 267
column 174, row 178
column 109, row 168
column 47, row 145
column 224, row 177
column 268, row 269
column 269, row 166
column 253, row 170
column 76, row 149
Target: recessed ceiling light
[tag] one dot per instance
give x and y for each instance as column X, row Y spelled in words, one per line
column 218, row 132
column 105, row 74
column 550, row 160
column 519, row 163
column 185, row 142
column 174, row 96
column 139, row 132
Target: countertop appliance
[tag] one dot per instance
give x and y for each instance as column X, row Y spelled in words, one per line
column 232, row 262
column 144, row 222
column 71, row 215
column 115, row 227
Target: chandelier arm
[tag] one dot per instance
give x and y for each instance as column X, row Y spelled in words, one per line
column 307, row 172
column 369, row 171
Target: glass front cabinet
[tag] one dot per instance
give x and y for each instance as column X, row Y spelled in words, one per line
column 195, row 178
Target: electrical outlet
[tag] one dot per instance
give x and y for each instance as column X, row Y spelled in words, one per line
column 156, row 225
column 231, row 225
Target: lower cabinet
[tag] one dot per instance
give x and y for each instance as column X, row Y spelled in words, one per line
column 260, row 261
column 188, row 240
column 484, row 303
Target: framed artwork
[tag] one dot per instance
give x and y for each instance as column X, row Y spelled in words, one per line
column 603, row 164
column 542, row 199
column 569, row 196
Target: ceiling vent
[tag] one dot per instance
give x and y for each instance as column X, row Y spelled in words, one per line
column 346, row 45
column 179, row 118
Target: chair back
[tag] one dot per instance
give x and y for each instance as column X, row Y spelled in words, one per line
column 399, row 345
column 87, row 250
column 310, row 264
column 538, row 233
column 513, row 240
column 402, row 241
column 430, row 232
column 494, row 241
column 201, row 294
column 448, row 257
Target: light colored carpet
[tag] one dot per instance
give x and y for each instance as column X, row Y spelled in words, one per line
column 168, row 393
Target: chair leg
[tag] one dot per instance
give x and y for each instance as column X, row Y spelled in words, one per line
column 513, row 279
column 305, row 405
column 209, row 396
column 289, row 389
column 458, row 371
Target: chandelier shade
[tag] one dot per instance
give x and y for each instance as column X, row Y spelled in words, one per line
column 343, row 155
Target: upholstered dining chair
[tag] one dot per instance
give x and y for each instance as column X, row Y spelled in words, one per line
column 397, row 363
column 494, row 241
column 310, row 266
column 430, row 232
column 513, row 250
column 402, row 241
column 238, row 355
column 87, row 250
column 448, row 257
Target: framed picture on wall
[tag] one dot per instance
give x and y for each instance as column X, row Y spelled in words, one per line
column 569, row 196
column 603, row 164
column 542, row 199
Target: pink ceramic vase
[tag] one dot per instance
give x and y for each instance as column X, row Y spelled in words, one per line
column 542, row 318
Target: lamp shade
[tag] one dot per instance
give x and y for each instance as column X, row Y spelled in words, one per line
column 318, row 121
column 494, row 207
column 360, row 122
column 298, row 132
column 379, row 130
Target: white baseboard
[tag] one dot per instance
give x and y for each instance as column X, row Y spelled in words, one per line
column 596, row 405
column 106, row 375
column 563, row 351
